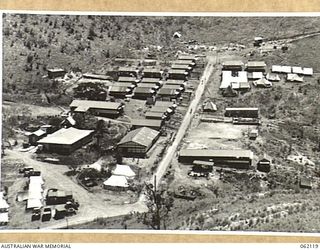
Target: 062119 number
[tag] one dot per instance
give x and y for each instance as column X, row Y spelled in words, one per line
column 309, row 246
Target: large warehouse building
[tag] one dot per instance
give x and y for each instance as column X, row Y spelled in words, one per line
column 66, row 140
column 222, row 158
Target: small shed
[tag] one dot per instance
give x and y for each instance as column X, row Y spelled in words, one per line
column 305, row 182
column 264, row 164
column 253, row 134
column 56, row 72
column 202, row 166
column 35, row 136
column 60, row 212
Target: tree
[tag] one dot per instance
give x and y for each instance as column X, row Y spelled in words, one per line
column 92, row 33
column 159, row 205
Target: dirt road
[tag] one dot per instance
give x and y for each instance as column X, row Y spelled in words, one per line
column 171, row 151
column 92, row 206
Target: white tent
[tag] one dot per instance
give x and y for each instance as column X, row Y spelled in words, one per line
column 4, row 218
column 97, row 166
column 3, row 203
column 116, row 181
column 262, row 83
column 124, row 170
column 294, row 78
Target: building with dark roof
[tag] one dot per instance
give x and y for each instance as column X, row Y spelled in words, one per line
column 167, row 94
column 143, row 93
column 264, row 164
column 119, row 91
column 99, row 108
column 257, row 66
column 181, row 83
column 128, row 79
column 149, row 123
column 127, row 71
column 150, row 80
column 177, row 74
column 56, row 72
column 233, row 65
column 137, row 142
column 152, row 73
column 155, row 115
column 222, row 158
column 242, row 112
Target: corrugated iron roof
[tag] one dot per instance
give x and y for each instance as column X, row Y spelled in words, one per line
column 146, row 122
column 143, row 136
column 236, row 153
column 86, row 104
column 66, row 136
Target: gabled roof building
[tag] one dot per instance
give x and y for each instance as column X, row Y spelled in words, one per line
column 137, row 142
column 99, row 108
column 66, row 140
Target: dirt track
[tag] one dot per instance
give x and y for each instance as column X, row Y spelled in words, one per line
column 92, row 206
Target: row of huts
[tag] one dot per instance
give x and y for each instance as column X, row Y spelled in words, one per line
column 236, row 75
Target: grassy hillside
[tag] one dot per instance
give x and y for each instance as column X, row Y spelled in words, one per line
column 33, row 43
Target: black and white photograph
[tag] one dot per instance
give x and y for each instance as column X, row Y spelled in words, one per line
column 160, row 122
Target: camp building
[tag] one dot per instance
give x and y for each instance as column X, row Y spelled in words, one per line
column 258, row 66
column 242, row 112
column 233, row 65
column 150, row 123
column 127, row 71
column 221, row 158
column 177, row 74
column 137, row 142
column 56, row 72
column 100, row 108
column 66, row 140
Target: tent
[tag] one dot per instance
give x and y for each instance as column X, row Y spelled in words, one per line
column 273, row 77
column 264, row 83
column 116, row 182
column 294, row 78
column 4, row 218
column 3, row 203
column 97, row 166
column 209, row 107
column 124, row 170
